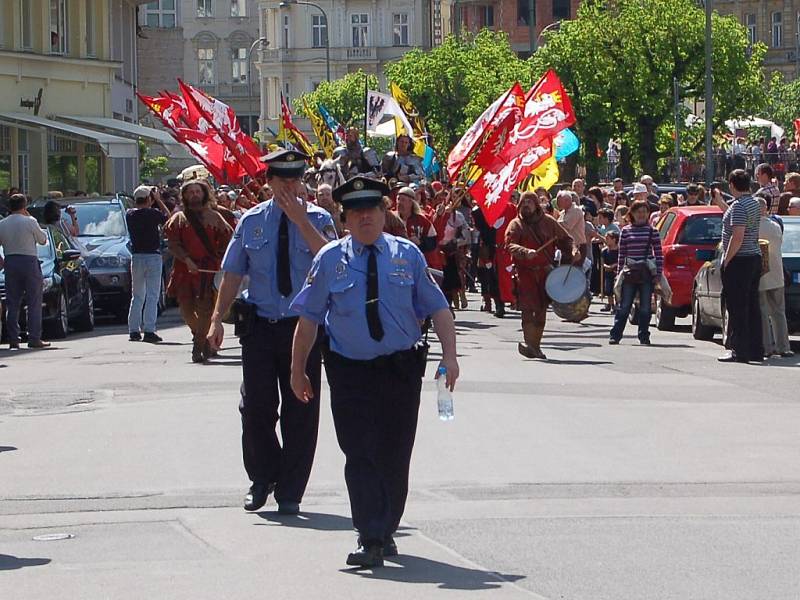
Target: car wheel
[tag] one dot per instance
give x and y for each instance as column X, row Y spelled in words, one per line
column 665, row 316
column 85, row 321
column 700, row 331
column 59, row 327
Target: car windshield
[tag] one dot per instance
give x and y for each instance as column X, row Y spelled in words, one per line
column 791, row 238
column 100, row 220
column 701, row 229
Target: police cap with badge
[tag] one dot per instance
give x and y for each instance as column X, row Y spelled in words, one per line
column 290, row 164
column 360, row 192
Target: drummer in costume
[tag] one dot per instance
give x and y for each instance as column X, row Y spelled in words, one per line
column 274, row 245
column 371, row 291
column 532, row 239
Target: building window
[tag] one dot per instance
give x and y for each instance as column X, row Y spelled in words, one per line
column 777, row 30
column 486, row 16
column 207, row 65
column 523, row 12
column 25, row 25
column 752, row 35
column 58, row 27
column 561, row 10
column 360, row 26
column 205, row 8
column 91, row 35
column 319, row 31
column 285, row 37
column 239, row 63
column 400, row 29
column 160, row 14
column 238, row 8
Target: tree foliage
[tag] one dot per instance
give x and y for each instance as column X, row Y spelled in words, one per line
column 344, row 98
column 783, row 102
column 452, row 84
column 619, row 59
column 151, row 168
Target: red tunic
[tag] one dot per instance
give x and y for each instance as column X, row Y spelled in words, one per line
column 503, row 258
column 184, row 242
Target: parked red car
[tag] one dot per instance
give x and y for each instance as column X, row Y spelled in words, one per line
column 688, row 233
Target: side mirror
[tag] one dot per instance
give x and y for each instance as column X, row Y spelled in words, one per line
column 70, row 255
column 704, row 255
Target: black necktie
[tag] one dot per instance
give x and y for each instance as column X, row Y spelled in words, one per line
column 373, row 318
column 284, row 271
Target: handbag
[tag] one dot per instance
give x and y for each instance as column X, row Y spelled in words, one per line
column 636, row 272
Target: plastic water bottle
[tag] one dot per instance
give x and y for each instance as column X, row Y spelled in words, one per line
column 444, row 398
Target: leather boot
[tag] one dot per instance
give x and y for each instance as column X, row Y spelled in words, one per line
column 532, row 334
column 197, row 350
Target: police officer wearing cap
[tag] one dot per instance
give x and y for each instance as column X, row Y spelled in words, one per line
column 274, row 244
column 371, row 291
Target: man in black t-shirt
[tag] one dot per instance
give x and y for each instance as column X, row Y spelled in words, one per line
column 146, row 263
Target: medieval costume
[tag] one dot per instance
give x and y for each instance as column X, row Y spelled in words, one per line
column 532, row 239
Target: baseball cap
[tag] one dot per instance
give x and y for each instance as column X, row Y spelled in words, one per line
column 407, row 191
column 143, row 191
column 639, row 188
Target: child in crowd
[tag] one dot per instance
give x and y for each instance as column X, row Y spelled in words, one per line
column 609, row 256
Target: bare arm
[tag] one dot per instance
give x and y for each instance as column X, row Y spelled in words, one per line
column 304, row 337
column 446, row 332
column 227, row 292
column 736, row 242
column 286, row 199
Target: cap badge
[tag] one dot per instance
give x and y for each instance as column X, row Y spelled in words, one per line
column 290, row 157
column 358, row 185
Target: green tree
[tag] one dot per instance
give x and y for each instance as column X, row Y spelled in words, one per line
column 151, row 168
column 619, row 59
column 783, row 102
column 452, row 84
column 344, row 98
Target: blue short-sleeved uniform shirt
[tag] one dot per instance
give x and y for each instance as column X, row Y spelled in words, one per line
column 253, row 251
column 335, row 294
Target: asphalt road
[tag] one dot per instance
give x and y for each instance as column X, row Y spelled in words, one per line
column 616, row 473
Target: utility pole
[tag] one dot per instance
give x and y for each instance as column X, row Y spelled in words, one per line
column 532, row 24
column 677, row 91
column 709, row 101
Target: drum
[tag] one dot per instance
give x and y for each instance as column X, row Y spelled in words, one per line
column 569, row 292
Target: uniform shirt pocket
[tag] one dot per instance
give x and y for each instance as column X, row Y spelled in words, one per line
column 345, row 296
column 258, row 253
column 401, row 284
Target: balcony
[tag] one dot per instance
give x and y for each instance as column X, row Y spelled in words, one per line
column 368, row 54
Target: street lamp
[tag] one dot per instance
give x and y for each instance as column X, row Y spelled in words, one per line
column 553, row 25
column 260, row 40
column 287, row 3
column 709, row 100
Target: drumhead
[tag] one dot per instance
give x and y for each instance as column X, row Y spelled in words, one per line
column 566, row 284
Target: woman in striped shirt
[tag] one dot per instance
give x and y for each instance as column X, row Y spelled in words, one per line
column 638, row 243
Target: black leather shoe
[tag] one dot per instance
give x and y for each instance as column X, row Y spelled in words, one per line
column 613, row 342
column 288, row 508
column 135, row 336
column 389, row 547
column 257, row 496
column 367, row 557
column 644, row 341
column 151, row 338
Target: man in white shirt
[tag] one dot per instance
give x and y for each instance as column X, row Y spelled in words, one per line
column 775, row 331
column 19, row 235
column 572, row 220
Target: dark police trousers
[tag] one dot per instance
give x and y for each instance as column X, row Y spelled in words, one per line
column 266, row 362
column 375, row 406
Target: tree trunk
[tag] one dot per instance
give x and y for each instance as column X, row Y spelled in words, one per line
column 625, row 168
column 590, row 160
column 647, row 148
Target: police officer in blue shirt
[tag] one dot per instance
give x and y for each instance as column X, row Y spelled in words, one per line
column 274, row 245
column 371, row 291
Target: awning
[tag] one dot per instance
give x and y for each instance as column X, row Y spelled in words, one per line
column 131, row 130
column 111, row 145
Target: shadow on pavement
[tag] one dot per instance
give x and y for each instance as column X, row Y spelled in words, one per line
column 7, row 448
column 308, row 520
column 415, row 569
column 11, row 563
column 555, row 361
column 473, row 325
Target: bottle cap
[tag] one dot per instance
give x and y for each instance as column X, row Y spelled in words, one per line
column 442, row 370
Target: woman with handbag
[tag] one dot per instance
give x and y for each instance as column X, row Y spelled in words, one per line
column 639, row 264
